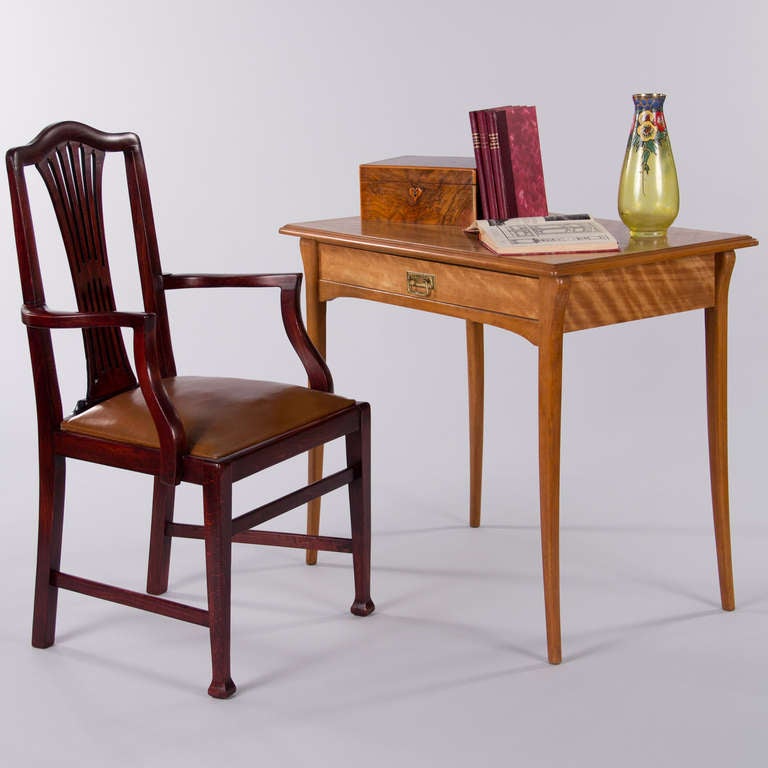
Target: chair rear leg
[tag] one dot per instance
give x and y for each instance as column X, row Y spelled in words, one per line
column 217, row 507
column 359, row 455
column 159, row 542
column 51, row 521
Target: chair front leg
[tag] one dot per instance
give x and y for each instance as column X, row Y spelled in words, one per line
column 217, row 510
column 159, row 541
column 359, row 456
column 51, row 521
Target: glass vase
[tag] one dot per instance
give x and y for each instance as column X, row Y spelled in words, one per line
column 649, row 198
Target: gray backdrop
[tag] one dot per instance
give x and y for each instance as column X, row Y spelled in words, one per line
column 256, row 114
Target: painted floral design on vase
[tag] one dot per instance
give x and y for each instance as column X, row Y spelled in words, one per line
column 649, row 198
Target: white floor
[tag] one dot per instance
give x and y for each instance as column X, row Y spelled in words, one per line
column 449, row 671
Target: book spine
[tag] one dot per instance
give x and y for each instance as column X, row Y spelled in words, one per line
column 494, row 150
column 505, row 173
column 485, row 149
column 490, row 209
column 474, row 126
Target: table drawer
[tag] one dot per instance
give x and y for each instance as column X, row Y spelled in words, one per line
column 430, row 282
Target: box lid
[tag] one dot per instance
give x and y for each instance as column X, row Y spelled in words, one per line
column 426, row 168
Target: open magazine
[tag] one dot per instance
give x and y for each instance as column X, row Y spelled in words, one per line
column 546, row 234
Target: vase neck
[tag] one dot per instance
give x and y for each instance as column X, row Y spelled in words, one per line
column 650, row 101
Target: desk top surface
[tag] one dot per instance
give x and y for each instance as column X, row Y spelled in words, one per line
column 452, row 245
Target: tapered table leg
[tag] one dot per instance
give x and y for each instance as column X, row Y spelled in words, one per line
column 313, row 507
column 316, row 326
column 554, row 295
column 476, row 379
column 716, row 333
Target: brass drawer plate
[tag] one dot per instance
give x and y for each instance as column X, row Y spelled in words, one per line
column 419, row 283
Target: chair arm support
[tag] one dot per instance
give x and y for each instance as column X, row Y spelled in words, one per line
column 290, row 308
column 169, row 428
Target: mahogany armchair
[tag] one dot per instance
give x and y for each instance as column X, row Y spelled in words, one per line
column 145, row 418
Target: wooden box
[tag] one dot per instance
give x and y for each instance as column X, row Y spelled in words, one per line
column 417, row 189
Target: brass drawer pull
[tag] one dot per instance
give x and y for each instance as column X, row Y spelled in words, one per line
column 420, row 284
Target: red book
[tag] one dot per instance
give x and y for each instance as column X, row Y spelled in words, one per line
column 494, row 151
column 478, row 123
column 522, row 172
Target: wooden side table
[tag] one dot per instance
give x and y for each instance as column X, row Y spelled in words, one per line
column 540, row 297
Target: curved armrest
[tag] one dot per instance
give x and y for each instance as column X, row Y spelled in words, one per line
column 37, row 317
column 169, row 428
column 287, row 280
column 290, row 308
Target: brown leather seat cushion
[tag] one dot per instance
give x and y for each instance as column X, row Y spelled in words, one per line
column 220, row 416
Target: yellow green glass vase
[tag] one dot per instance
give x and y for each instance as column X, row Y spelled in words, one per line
column 649, row 198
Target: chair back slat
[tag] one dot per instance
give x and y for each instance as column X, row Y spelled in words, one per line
column 72, row 173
